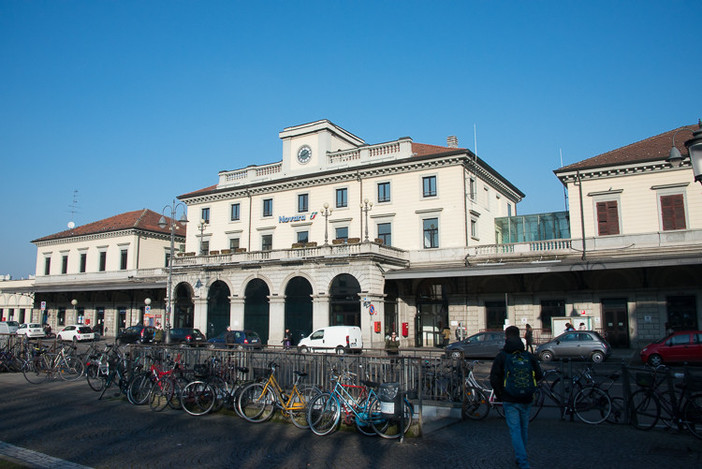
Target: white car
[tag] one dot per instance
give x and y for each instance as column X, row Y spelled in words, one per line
column 76, row 332
column 31, row 330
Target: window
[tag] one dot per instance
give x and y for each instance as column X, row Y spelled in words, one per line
column 61, row 316
column 302, row 236
column 64, row 264
column 550, row 309
column 673, row 212
column 204, row 248
column 385, row 233
column 342, row 232
column 47, row 266
column 234, row 244
column 103, row 261
column 431, row 233
column 123, row 259
column 168, row 258
column 607, row 218
column 472, row 188
column 235, row 213
column 302, row 202
column 342, row 198
column 473, row 228
column 267, row 207
column 266, row 242
column 384, row 192
column 205, row 215
column 429, row 186
column 509, row 210
column 83, row 261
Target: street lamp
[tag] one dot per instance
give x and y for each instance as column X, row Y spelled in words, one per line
column 163, row 222
column 694, row 148
column 366, row 207
column 201, row 227
column 325, row 213
column 147, row 309
column 74, row 302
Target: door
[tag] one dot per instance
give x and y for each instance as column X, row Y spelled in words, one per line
column 616, row 322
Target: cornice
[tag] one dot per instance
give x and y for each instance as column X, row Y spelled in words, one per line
column 619, row 171
column 107, row 235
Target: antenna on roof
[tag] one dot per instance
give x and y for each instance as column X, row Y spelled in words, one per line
column 74, row 209
column 565, row 192
column 475, row 138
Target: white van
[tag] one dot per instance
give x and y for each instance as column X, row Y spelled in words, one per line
column 339, row 339
column 8, row 327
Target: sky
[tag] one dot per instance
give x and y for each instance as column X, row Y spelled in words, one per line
column 113, row 106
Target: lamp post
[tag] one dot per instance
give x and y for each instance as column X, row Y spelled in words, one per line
column 74, row 302
column 694, row 148
column 326, row 211
column 171, row 211
column 147, row 308
column 201, row 227
column 365, row 208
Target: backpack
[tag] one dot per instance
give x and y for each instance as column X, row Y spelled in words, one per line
column 519, row 375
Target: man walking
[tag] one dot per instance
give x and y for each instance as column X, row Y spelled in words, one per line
column 513, row 376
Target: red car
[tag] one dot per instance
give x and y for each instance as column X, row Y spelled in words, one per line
column 678, row 347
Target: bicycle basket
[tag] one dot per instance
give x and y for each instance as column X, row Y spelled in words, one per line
column 693, row 382
column 644, row 380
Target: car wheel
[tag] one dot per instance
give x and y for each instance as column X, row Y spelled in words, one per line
column 456, row 354
column 546, row 356
column 304, row 350
column 340, row 350
column 597, row 357
column 240, row 347
column 655, row 360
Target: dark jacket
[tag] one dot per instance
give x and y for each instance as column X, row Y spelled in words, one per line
column 497, row 373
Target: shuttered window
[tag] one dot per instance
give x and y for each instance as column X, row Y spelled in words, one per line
column 673, row 212
column 607, row 218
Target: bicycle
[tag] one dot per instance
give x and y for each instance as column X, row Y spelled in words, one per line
column 258, row 401
column 589, row 403
column 210, row 392
column 683, row 410
column 43, row 366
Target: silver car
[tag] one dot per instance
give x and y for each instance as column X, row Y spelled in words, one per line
column 584, row 345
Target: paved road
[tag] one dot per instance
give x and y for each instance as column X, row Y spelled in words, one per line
column 66, row 421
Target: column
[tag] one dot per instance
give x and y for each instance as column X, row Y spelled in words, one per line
column 236, row 312
column 320, row 311
column 276, row 319
column 200, row 314
column 371, row 339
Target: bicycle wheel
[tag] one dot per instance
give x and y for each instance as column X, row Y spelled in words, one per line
column 36, row 370
column 475, row 404
column 617, row 413
column 70, row 368
column 323, row 414
column 257, row 403
column 395, row 427
column 537, row 403
column 298, row 405
column 366, row 413
column 198, row 398
column 592, row 405
column 95, row 381
column 692, row 415
column 161, row 394
column 561, row 389
column 139, row 389
column 645, row 409
column 178, row 384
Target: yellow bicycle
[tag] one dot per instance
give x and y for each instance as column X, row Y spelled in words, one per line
column 258, row 401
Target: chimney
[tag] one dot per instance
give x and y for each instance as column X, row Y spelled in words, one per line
column 452, row 141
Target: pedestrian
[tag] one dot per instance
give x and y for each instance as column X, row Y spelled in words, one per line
column 446, row 333
column 158, row 333
column 581, row 326
column 569, row 327
column 287, row 339
column 529, row 338
column 513, row 376
column 392, row 345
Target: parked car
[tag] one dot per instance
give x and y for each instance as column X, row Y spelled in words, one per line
column 480, row 345
column 678, row 347
column 8, row 327
column 188, row 336
column 137, row 334
column 75, row 333
column 31, row 330
column 587, row 345
column 246, row 339
column 339, row 339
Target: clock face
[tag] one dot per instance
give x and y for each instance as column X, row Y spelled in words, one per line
column 304, row 154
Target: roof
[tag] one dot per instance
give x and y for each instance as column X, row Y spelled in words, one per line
column 650, row 149
column 144, row 219
column 422, row 149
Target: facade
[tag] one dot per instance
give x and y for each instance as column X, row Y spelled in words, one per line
column 16, row 300
column 100, row 274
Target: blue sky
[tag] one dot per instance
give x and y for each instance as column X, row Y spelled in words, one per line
column 132, row 103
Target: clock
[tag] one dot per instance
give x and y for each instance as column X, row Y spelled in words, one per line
column 304, row 154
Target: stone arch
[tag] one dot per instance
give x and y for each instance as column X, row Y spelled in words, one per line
column 257, row 307
column 298, row 307
column 218, row 308
column 344, row 301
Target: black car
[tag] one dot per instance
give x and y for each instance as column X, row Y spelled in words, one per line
column 240, row 340
column 188, row 336
column 480, row 345
column 137, row 335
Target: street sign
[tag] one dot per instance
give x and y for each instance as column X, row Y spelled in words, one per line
column 43, row 305
column 147, row 309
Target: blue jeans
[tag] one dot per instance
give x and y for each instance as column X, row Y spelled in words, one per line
column 517, row 417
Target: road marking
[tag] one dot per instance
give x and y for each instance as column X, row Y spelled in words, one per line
column 36, row 459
